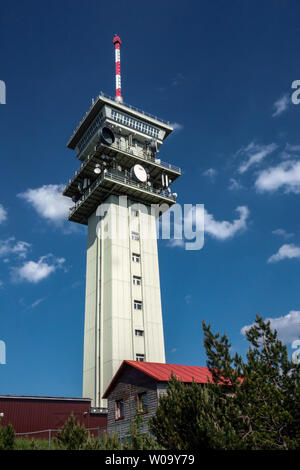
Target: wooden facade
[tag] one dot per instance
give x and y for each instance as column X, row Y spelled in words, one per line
column 136, row 388
column 130, row 385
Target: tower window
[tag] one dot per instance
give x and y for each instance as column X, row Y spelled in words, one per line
column 140, row 357
column 134, row 212
column 136, row 280
column 142, row 402
column 137, row 304
column 135, row 236
column 136, row 258
column 139, row 333
column 119, row 409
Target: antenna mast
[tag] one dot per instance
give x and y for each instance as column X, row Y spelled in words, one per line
column 117, row 42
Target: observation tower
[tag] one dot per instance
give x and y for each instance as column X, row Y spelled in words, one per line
column 120, row 181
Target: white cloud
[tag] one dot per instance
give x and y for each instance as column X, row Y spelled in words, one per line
column 34, row 272
column 287, row 326
column 12, row 247
column 287, row 251
column 281, row 105
column 220, row 230
column 175, row 81
column 176, row 126
column 290, row 151
column 48, row 202
column 3, row 214
column 188, row 298
column 37, row 302
column 234, row 184
column 286, row 175
column 254, row 154
column 76, row 284
column 210, row 173
column 282, row 233
column 176, row 242
column 173, row 350
column 292, row 148
column 223, row 230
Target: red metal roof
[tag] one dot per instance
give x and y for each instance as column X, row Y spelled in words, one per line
column 162, row 372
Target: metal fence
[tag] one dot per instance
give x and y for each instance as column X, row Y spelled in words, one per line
column 49, row 434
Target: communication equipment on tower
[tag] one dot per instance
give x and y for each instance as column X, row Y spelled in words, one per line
column 139, row 172
column 86, row 183
column 107, row 136
column 165, row 180
column 75, row 197
column 153, row 147
column 97, row 169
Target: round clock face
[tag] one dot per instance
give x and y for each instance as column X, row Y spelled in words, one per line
column 140, row 173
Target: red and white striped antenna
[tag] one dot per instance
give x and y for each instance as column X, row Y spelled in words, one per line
column 117, row 42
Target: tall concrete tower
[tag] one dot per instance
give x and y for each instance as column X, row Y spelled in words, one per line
column 120, row 179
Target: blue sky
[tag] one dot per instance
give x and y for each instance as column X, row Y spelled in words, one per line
column 222, row 71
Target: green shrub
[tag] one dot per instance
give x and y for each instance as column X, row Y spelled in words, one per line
column 7, row 437
column 73, row 436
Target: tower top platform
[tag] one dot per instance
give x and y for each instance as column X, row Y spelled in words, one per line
column 102, row 100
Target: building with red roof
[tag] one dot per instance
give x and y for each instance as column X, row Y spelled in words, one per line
column 136, row 388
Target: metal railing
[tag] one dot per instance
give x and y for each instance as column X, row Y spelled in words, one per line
column 83, row 165
column 141, row 154
column 130, row 151
column 145, row 156
column 125, row 104
column 119, row 177
column 135, row 109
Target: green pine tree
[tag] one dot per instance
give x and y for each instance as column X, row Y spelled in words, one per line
column 7, row 437
column 73, row 436
column 137, row 439
column 250, row 404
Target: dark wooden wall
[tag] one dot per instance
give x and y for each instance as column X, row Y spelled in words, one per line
column 130, row 383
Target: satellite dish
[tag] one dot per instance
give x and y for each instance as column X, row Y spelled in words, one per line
column 107, row 137
column 97, row 169
column 139, row 173
column 75, row 197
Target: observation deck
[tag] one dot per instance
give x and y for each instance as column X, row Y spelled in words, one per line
column 114, row 182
